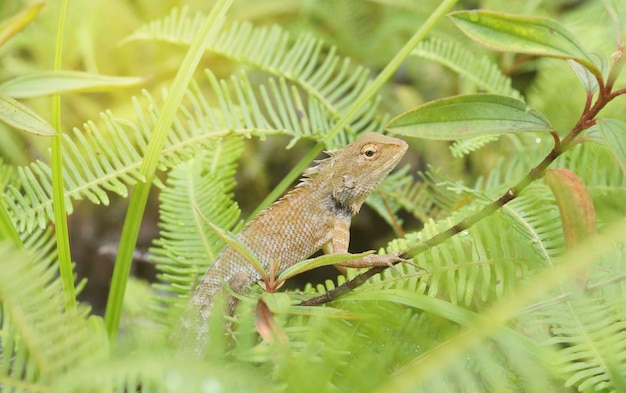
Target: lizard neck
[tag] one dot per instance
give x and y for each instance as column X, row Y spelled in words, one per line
column 340, row 208
column 317, row 186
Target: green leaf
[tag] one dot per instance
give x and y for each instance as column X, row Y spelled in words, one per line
column 41, row 340
column 23, row 118
column 587, row 79
column 523, row 34
column 324, row 260
column 468, row 116
column 55, row 82
column 235, row 243
column 612, row 134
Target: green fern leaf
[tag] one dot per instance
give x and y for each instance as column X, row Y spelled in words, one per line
column 591, row 341
column 536, row 218
column 426, row 197
column 321, row 74
column 597, row 169
column 463, row 147
column 107, row 159
column 474, row 266
column 40, row 340
column 486, row 75
column 186, row 245
column 159, row 372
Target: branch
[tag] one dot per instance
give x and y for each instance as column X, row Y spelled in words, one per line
column 586, row 120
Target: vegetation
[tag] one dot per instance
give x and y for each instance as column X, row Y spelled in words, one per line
column 511, row 205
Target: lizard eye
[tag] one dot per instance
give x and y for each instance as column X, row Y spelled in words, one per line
column 369, row 151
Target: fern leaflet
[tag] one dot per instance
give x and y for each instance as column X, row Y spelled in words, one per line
column 186, row 245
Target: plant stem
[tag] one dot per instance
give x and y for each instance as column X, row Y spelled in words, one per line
column 586, row 120
column 58, row 190
column 369, row 93
column 392, row 67
column 148, row 168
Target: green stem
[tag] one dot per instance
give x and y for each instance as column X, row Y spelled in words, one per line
column 58, row 191
column 391, row 67
column 586, row 120
column 148, row 168
column 369, row 93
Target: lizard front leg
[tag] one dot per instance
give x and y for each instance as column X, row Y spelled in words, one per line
column 339, row 244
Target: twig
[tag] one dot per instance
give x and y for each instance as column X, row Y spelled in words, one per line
column 586, row 120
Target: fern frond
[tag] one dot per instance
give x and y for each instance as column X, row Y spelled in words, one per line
column 40, row 340
column 481, row 71
column 426, row 197
column 463, row 147
column 470, row 268
column 101, row 159
column 595, row 166
column 320, row 73
column 520, row 154
column 591, row 340
column 186, row 245
column 536, row 218
column 155, row 372
column 485, row 74
column 388, row 207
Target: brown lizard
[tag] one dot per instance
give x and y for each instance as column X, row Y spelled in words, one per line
column 314, row 216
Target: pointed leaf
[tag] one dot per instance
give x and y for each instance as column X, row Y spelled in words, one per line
column 266, row 325
column 324, row 260
column 468, row 116
column 54, row 82
column 523, row 34
column 235, row 243
column 589, row 82
column 23, row 118
column 15, row 24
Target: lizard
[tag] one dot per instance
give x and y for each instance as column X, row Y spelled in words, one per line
column 313, row 216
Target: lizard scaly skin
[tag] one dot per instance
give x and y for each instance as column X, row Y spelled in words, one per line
column 314, row 216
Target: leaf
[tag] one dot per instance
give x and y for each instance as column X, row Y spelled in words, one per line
column 586, row 78
column 186, row 247
column 266, row 325
column 54, row 82
column 612, row 134
column 235, row 243
column 303, row 60
column 15, row 24
column 40, row 340
column 575, row 205
column 523, row 34
column 468, row 116
column 23, row 118
column 578, row 215
column 324, row 260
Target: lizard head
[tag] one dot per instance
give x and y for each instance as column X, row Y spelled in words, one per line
column 358, row 168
